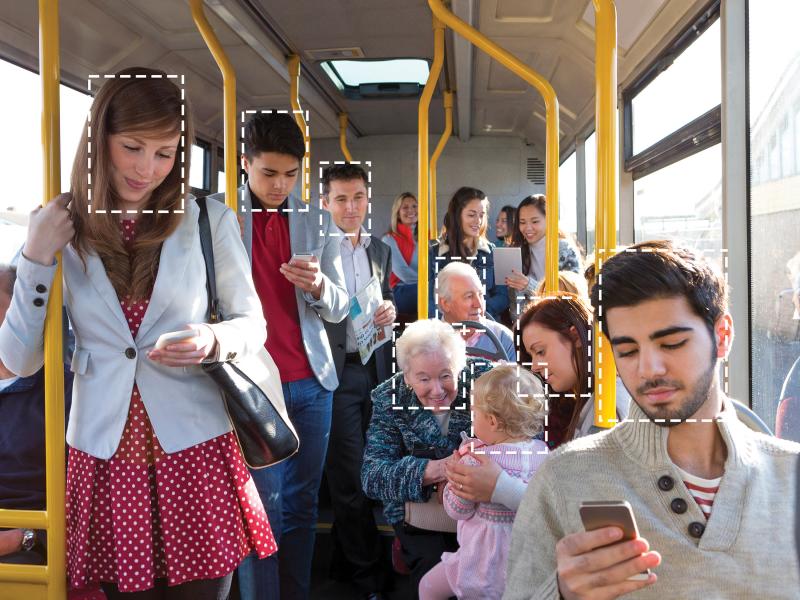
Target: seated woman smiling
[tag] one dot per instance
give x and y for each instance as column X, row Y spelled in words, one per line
column 417, row 419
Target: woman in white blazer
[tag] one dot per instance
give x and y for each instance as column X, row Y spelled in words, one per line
column 159, row 500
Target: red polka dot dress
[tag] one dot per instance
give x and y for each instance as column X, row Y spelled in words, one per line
column 145, row 514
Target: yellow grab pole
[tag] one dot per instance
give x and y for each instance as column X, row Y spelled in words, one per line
column 294, row 97
column 228, row 103
column 423, row 187
column 551, row 113
column 343, row 137
column 448, row 129
column 605, row 382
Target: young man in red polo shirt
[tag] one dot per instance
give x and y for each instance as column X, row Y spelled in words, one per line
column 297, row 296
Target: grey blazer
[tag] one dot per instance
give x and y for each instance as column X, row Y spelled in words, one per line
column 380, row 265
column 310, row 230
column 184, row 405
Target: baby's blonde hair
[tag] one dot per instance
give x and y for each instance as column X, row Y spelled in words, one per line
column 514, row 396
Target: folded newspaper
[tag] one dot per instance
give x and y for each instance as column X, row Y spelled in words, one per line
column 362, row 313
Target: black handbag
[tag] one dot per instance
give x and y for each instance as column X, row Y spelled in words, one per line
column 250, row 386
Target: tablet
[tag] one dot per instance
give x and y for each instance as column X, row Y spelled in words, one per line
column 506, row 259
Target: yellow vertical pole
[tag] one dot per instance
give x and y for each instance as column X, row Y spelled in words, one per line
column 343, row 137
column 605, row 381
column 423, row 186
column 50, row 75
column 448, row 129
column 228, row 103
column 552, row 118
column 294, row 97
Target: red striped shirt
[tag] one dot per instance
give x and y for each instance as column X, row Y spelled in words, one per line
column 702, row 490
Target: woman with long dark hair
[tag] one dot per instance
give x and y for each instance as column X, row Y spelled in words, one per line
column 160, row 503
column 504, row 225
column 463, row 238
column 529, row 234
column 555, row 334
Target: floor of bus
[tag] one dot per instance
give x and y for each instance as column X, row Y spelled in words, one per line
column 325, row 588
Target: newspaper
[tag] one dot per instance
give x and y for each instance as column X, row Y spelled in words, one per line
column 362, row 312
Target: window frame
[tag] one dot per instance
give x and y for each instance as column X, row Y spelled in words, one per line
column 206, row 146
column 353, row 92
column 694, row 136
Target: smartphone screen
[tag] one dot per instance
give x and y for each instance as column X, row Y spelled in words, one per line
column 612, row 513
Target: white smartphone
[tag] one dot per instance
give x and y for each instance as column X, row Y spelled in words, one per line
column 165, row 339
column 303, row 256
column 612, row 513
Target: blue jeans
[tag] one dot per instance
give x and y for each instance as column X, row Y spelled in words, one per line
column 289, row 493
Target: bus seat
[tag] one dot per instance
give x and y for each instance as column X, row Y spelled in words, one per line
column 787, row 417
column 497, row 355
column 750, row 418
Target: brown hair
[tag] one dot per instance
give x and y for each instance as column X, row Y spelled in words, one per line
column 561, row 315
column 568, row 282
column 539, row 202
column 514, row 396
column 659, row 269
column 451, row 231
column 142, row 101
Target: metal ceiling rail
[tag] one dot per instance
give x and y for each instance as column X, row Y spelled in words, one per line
column 552, row 117
column 605, row 381
column 28, row 581
column 423, row 185
column 294, row 97
column 343, row 137
column 448, row 129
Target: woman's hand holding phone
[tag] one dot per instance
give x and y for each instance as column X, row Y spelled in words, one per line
column 597, row 565
column 184, row 348
column 49, row 230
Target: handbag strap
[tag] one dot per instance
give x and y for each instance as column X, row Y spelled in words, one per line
column 207, row 245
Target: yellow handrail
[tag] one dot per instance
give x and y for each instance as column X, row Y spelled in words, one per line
column 448, row 129
column 294, row 97
column 605, row 381
column 228, row 102
column 26, row 581
column 552, row 118
column 423, row 189
column 343, row 137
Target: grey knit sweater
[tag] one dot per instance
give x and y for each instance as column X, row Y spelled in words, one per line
column 747, row 549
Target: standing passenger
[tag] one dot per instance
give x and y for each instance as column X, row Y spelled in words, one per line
column 464, row 238
column 402, row 240
column 356, row 542
column 297, row 296
column 159, row 500
column 529, row 234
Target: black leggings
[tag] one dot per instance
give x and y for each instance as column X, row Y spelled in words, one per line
column 201, row 589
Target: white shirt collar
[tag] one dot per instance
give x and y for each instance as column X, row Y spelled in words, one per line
column 363, row 240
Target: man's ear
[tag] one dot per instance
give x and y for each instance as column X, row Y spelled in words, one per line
column 444, row 304
column 723, row 334
column 325, row 203
column 245, row 164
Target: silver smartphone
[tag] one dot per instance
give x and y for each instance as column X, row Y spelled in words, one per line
column 612, row 513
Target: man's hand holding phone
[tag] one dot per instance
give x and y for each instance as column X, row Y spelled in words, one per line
column 303, row 271
column 609, row 559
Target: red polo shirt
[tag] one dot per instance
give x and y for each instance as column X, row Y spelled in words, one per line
column 271, row 248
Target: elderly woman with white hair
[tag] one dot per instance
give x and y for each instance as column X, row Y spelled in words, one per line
column 417, row 419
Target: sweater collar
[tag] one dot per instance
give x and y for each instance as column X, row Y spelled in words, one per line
column 645, row 442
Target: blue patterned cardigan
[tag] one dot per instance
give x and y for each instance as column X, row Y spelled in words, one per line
column 399, row 424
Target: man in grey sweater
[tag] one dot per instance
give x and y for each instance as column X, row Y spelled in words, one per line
column 714, row 500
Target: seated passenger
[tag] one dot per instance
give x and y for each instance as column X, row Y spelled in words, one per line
column 22, row 445
column 529, row 234
column 503, row 225
column 356, row 543
column 461, row 299
column 508, row 410
column 297, row 297
column 556, row 334
column 464, row 239
column 402, row 240
column 714, row 501
column 417, row 419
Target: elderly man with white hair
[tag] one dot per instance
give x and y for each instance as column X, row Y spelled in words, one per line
column 461, row 298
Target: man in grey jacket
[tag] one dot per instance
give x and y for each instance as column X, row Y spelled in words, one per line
column 297, row 271
column 714, row 500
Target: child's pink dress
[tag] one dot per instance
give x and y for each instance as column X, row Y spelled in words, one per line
column 477, row 570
